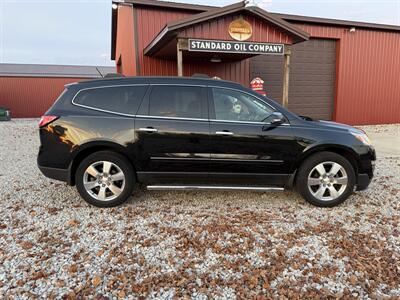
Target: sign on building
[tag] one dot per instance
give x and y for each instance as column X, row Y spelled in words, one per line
column 235, row 47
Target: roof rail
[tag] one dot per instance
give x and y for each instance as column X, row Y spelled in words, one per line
column 112, row 75
column 200, row 75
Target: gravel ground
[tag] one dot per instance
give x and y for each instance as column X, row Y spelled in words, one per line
column 198, row 245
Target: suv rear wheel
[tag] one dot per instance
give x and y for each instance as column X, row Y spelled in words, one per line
column 326, row 179
column 105, row 179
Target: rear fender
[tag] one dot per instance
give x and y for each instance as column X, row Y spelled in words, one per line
column 84, row 150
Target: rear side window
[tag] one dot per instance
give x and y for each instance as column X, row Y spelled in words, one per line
column 120, row 99
column 178, row 101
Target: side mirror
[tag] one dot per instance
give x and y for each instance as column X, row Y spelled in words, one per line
column 277, row 118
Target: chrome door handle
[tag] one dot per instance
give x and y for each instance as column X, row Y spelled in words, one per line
column 148, row 129
column 223, row 133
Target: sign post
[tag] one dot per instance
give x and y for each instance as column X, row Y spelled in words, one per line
column 286, row 71
column 180, row 46
column 179, row 60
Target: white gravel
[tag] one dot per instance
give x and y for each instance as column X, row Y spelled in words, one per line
column 197, row 245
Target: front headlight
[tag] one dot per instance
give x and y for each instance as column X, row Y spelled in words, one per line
column 362, row 137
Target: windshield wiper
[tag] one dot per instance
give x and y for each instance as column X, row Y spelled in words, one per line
column 306, row 118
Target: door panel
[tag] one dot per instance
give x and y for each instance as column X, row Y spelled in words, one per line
column 253, row 154
column 245, row 147
column 176, row 146
column 172, row 134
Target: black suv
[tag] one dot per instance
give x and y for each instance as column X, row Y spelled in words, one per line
column 107, row 135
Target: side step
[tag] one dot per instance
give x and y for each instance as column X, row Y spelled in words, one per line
column 212, row 187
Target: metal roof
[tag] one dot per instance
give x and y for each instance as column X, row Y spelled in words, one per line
column 33, row 70
column 287, row 17
column 337, row 22
column 170, row 4
column 203, row 8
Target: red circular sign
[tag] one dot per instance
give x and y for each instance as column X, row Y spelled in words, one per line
column 257, row 84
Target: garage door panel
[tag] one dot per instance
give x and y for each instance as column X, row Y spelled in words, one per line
column 312, row 77
column 314, row 105
column 303, row 96
column 311, row 65
column 317, row 90
column 309, row 57
column 322, row 79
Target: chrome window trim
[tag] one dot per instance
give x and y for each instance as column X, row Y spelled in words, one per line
column 210, row 120
column 171, row 118
column 179, row 84
column 102, row 87
column 103, row 110
column 245, row 122
column 62, row 94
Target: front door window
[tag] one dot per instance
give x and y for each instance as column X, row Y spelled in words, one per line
column 233, row 105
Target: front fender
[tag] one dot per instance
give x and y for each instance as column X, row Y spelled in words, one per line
column 346, row 151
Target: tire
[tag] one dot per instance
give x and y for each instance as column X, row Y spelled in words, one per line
column 104, row 189
column 320, row 191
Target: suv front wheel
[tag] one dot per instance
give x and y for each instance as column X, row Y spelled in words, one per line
column 326, row 179
column 105, row 179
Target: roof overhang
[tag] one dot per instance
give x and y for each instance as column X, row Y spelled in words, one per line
column 172, row 29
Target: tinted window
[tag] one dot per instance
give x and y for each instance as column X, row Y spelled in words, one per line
column 122, row 99
column 236, row 106
column 177, row 101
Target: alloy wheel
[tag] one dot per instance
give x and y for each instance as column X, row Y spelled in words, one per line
column 327, row 181
column 104, row 180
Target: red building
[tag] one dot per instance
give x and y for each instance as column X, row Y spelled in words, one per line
column 340, row 70
column 29, row 90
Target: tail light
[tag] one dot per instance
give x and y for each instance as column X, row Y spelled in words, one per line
column 46, row 120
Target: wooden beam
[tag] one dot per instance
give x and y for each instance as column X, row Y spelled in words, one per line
column 183, row 44
column 286, row 71
column 179, row 57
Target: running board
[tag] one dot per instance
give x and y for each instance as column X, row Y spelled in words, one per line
column 212, row 187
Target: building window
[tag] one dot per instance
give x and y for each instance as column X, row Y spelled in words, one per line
column 120, row 99
column 232, row 105
column 177, row 101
